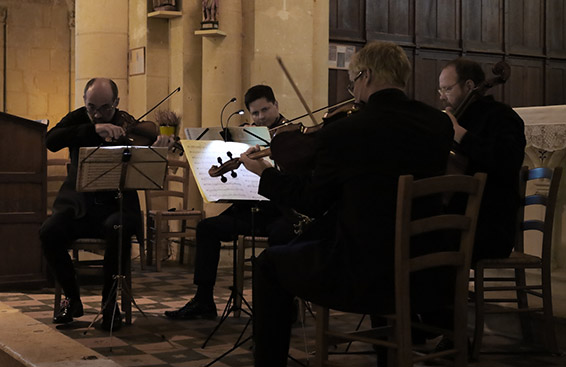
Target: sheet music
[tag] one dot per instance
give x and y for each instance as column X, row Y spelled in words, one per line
column 100, row 168
column 202, row 155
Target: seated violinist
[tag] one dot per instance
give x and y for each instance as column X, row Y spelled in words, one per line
column 236, row 220
column 90, row 214
column 345, row 259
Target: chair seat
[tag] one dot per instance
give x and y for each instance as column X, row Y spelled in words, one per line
column 515, row 259
column 176, row 213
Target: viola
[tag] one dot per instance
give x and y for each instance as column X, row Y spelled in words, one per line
column 457, row 162
column 143, row 133
column 292, row 145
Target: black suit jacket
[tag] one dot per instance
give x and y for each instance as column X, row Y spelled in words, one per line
column 74, row 131
column 352, row 193
column 494, row 144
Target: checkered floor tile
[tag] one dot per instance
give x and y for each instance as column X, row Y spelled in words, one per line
column 155, row 341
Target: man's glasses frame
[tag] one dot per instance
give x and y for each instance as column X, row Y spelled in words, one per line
column 103, row 110
column 447, row 90
column 351, row 83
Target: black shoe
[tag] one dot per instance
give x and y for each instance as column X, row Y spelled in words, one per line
column 194, row 310
column 70, row 307
column 107, row 322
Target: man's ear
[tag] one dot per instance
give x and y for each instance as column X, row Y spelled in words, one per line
column 367, row 76
column 116, row 102
column 470, row 84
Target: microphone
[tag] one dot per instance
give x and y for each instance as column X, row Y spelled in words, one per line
column 225, row 132
column 222, row 112
column 239, row 112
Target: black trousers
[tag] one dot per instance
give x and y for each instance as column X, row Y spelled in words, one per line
column 234, row 221
column 101, row 221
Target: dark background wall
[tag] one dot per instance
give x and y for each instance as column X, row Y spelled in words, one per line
column 530, row 35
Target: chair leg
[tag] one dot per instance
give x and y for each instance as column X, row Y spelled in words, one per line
column 479, row 308
column 141, row 246
column 126, row 297
column 523, row 303
column 550, row 333
column 240, row 258
column 150, row 240
column 321, row 357
column 157, row 243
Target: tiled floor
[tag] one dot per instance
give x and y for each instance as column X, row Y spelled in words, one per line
column 154, row 341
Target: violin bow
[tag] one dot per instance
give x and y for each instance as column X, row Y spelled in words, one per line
column 157, row 105
column 297, row 91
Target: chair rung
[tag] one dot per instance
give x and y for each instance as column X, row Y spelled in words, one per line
column 502, row 279
column 512, row 288
column 514, row 310
column 501, row 300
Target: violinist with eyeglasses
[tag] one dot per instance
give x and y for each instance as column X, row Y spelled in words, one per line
column 93, row 214
column 345, row 258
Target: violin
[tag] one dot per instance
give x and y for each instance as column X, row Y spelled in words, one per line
column 139, row 132
column 142, row 133
column 292, row 144
column 457, row 162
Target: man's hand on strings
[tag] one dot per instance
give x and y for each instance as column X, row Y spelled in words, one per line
column 109, row 132
column 256, row 166
column 164, row 141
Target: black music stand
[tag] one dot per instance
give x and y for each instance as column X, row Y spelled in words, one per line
column 119, row 168
column 202, row 154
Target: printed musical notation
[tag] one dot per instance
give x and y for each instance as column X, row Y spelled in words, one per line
column 204, row 154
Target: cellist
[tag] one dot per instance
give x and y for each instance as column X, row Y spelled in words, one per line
column 492, row 138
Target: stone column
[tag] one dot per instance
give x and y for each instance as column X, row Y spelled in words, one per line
column 222, row 65
column 101, row 45
column 297, row 31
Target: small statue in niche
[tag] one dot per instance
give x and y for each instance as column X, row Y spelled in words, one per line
column 209, row 14
column 164, row 5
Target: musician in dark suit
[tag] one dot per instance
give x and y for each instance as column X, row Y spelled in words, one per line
column 90, row 214
column 264, row 110
column 345, row 260
column 492, row 138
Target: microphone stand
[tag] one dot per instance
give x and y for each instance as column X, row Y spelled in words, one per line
column 222, row 112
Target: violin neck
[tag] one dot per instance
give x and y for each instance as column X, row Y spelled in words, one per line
column 260, row 154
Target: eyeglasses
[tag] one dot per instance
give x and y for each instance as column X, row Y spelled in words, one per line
column 351, row 84
column 447, row 90
column 103, row 110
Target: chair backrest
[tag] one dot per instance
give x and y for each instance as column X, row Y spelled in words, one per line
column 56, row 175
column 408, row 227
column 548, row 200
column 176, row 188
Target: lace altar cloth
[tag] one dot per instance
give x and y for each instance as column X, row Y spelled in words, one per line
column 545, row 126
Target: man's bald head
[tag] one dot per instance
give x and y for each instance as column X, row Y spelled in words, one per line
column 101, row 99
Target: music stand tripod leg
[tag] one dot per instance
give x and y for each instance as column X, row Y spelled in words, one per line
column 238, row 342
column 231, row 305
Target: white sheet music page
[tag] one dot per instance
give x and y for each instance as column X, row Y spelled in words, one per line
column 202, row 155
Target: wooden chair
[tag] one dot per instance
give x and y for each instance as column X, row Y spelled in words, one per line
column 56, row 175
column 518, row 261
column 160, row 217
column 399, row 333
